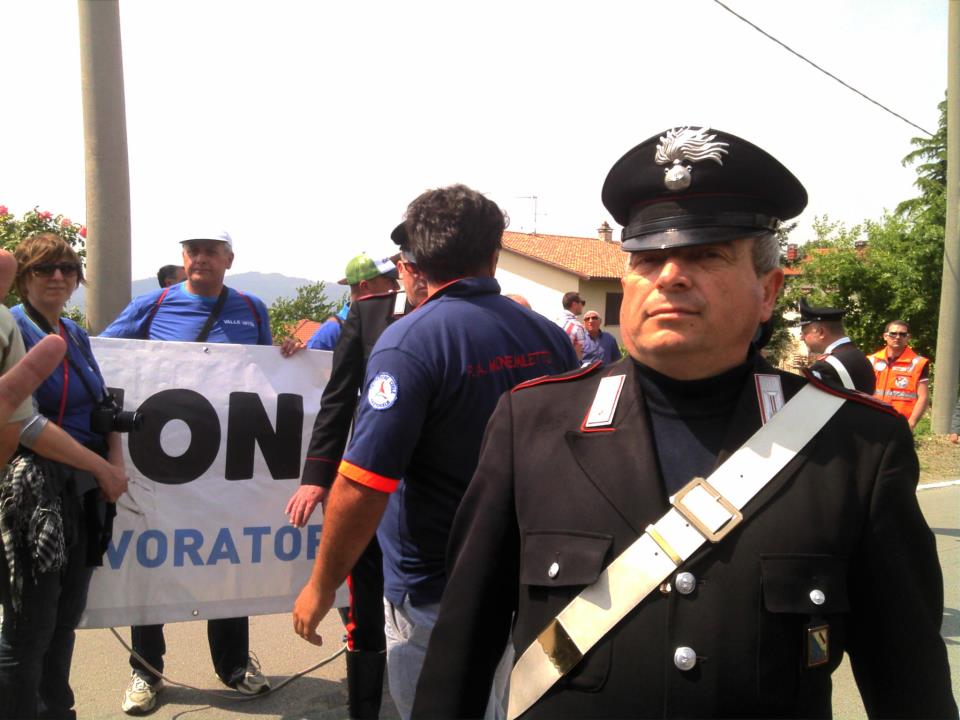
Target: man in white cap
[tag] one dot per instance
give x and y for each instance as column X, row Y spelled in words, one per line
column 201, row 309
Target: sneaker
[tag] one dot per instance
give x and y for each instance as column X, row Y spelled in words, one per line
column 140, row 696
column 249, row 680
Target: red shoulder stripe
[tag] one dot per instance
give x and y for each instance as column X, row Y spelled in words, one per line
column 854, row 395
column 253, row 310
column 388, row 293
column 572, row 375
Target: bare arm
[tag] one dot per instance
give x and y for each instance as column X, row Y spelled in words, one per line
column 353, row 513
column 55, row 444
column 923, row 397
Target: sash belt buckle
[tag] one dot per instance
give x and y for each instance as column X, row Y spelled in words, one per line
column 735, row 515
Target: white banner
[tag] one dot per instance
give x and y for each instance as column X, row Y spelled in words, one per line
column 201, row 533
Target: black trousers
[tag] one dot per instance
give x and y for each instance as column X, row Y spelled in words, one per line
column 36, row 644
column 363, row 620
column 229, row 640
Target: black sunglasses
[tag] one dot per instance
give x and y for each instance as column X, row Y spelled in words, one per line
column 67, row 269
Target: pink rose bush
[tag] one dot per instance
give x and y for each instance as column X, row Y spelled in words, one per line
column 13, row 229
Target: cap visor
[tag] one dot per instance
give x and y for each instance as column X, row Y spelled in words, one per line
column 686, row 237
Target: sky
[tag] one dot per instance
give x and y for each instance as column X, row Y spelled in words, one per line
column 305, row 128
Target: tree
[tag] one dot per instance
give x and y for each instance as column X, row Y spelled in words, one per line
column 931, row 153
column 310, row 303
column 897, row 272
column 13, row 231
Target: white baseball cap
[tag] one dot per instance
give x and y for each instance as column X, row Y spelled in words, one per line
column 219, row 235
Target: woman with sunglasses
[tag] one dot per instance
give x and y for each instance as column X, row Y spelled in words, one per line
column 57, row 484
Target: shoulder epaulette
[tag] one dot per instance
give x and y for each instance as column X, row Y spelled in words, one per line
column 853, row 395
column 564, row 377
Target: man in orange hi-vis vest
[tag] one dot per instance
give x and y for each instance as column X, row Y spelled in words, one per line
column 902, row 375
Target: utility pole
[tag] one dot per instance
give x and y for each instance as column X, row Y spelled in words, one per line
column 107, row 173
column 948, row 330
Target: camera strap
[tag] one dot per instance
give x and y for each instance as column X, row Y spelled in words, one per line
column 41, row 322
column 214, row 314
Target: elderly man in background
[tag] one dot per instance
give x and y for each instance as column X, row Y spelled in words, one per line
column 607, row 350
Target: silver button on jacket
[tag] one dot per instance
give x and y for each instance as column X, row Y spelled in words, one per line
column 684, row 658
column 685, row 583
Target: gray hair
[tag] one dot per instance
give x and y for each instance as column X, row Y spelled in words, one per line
column 766, row 253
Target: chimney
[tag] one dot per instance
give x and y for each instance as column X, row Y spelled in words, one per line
column 791, row 252
column 605, row 232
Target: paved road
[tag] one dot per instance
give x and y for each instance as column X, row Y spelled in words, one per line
column 101, row 670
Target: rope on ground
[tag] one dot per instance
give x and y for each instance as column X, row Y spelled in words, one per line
column 231, row 696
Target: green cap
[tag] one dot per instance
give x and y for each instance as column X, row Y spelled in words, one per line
column 362, row 267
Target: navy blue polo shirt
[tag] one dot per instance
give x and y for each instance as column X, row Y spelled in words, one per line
column 432, row 382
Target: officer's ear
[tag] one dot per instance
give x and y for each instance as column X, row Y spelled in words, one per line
column 772, row 283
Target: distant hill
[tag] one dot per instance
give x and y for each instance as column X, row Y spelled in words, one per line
column 266, row 286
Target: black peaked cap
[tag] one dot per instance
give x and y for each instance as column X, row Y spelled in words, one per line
column 810, row 314
column 689, row 186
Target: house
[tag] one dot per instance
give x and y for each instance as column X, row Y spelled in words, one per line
column 304, row 330
column 544, row 267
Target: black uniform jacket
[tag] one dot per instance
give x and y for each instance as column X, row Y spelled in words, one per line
column 368, row 317
column 841, row 517
column 856, row 363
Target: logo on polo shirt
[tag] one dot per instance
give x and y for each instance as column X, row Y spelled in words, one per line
column 382, row 392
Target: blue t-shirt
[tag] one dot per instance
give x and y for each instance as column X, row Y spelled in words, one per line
column 326, row 336
column 71, row 411
column 182, row 315
column 609, row 347
column 432, row 382
column 591, row 349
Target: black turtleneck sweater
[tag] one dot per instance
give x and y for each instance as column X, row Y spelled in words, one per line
column 690, row 419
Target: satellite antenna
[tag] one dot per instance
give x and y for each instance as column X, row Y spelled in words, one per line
column 536, row 214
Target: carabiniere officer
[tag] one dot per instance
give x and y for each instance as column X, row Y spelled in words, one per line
column 689, row 532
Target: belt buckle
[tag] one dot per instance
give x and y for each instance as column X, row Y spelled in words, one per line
column 735, row 515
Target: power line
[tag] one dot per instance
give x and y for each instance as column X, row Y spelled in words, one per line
column 828, row 74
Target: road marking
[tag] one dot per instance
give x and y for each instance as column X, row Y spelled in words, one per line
column 931, row 486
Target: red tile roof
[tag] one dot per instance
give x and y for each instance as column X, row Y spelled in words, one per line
column 587, row 257
column 304, row 330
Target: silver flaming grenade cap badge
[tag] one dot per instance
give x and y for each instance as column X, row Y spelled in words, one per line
column 688, row 144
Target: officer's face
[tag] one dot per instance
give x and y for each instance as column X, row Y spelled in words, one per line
column 812, row 336
column 691, row 312
column 206, row 262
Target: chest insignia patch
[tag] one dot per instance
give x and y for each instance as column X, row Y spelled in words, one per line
column 769, row 395
column 880, row 366
column 901, row 381
column 605, row 402
column 382, row 393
